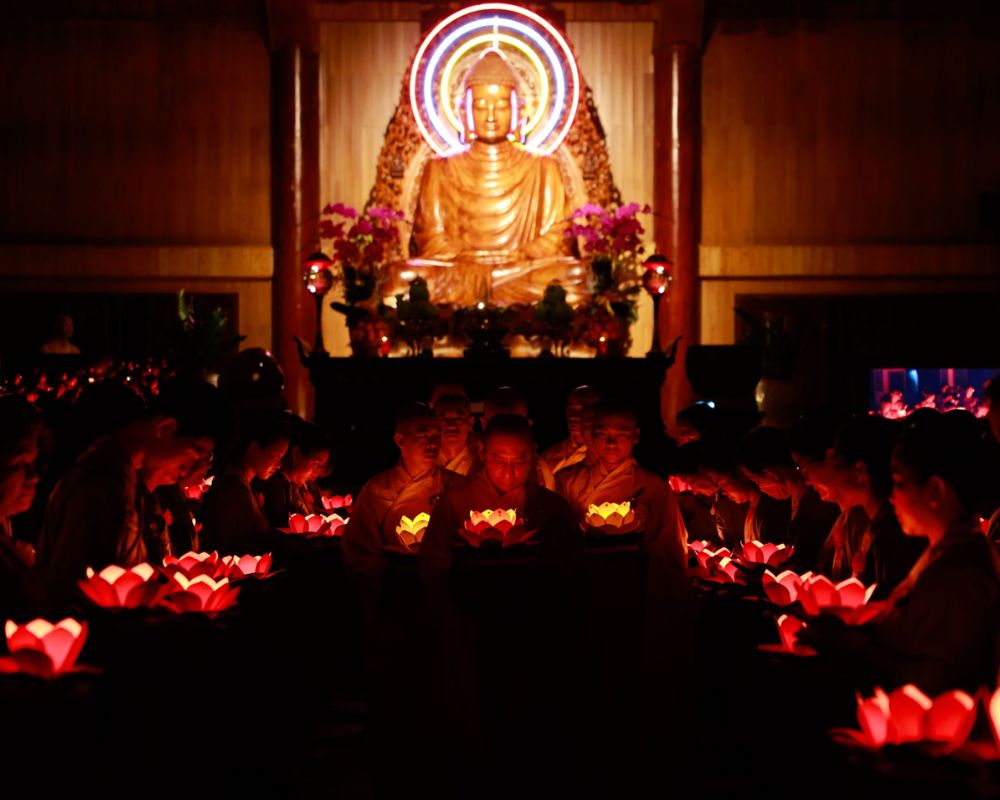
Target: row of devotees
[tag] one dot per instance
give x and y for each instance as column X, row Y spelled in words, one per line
column 911, row 507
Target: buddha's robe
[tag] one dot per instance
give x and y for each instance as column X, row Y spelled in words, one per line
column 382, row 503
column 657, row 514
column 492, row 220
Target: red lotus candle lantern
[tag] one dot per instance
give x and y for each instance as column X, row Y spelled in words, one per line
column 611, row 517
column 337, row 502
column 42, row 648
column 411, row 531
column 783, row 589
column 500, row 526
column 196, row 491
column 201, row 593
column 848, row 599
column 315, row 525
column 193, row 564
column 237, row 567
column 698, row 545
column 718, row 566
column 770, row 554
column 788, row 630
column 117, row 587
column 907, row 715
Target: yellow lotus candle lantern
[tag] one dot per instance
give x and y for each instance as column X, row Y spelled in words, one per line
column 500, row 525
column 610, row 517
column 411, row 531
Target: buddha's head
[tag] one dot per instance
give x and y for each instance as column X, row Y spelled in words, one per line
column 490, row 99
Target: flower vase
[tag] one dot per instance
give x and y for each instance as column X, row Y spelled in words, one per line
column 365, row 343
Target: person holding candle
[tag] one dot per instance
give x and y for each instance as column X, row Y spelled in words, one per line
column 292, row 488
column 20, row 427
column 233, row 519
column 103, row 511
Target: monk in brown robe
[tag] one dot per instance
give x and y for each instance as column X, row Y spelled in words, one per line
column 573, row 449
column 507, row 400
column 459, row 451
column 292, row 489
column 410, row 488
column 102, row 511
column 615, row 477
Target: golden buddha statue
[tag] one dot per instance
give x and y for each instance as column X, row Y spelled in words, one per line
column 491, row 221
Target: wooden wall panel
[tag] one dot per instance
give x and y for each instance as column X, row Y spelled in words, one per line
column 850, row 131
column 134, row 132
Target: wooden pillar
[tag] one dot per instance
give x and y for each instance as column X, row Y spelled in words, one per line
column 677, row 50
column 294, row 189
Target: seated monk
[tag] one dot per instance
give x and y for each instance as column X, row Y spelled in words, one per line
column 573, row 449
column 409, row 488
column 502, row 483
column 615, row 477
column 490, row 222
column 459, row 452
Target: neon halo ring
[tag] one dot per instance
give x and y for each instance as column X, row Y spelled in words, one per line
column 519, row 32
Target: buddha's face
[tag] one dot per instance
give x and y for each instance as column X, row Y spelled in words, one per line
column 491, row 111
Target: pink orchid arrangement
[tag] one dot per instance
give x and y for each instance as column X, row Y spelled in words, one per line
column 614, row 233
column 363, row 241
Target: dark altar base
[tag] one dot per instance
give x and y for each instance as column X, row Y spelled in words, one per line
column 357, row 398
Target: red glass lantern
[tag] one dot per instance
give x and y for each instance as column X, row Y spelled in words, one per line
column 656, row 281
column 319, row 280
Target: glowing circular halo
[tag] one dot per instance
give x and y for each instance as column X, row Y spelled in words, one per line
column 538, row 52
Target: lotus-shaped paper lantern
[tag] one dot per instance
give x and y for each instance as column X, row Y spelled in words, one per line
column 783, row 589
column 771, row 554
column 315, row 525
column 118, row 587
column 847, row 599
column 718, row 566
column 336, row 502
column 788, row 630
column 43, row 648
column 237, row 567
column 193, row 564
column 496, row 525
column 698, row 545
column 907, row 715
column 411, row 531
column 610, row 517
column 200, row 593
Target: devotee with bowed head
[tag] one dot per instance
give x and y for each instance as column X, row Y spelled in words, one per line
column 410, row 488
column 508, row 400
column 940, row 626
column 233, row 518
column 861, row 476
column 764, row 518
column 503, row 482
column 458, row 450
column 179, row 509
column 695, row 492
column 810, row 440
column 292, row 489
column 615, row 477
column 103, row 511
column 573, row 449
column 768, row 462
column 20, row 427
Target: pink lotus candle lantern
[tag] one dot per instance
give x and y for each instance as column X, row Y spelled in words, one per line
column 770, row 554
column 238, row 567
column 411, row 531
column 313, row 526
column 117, row 587
column 907, row 715
column 788, row 630
column 200, row 593
column 42, row 648
column 783, row 589
column 698, row 545
column 993, row 711
column 848, row 600
column 337, row 502
column 610, row 517
column 495, row 525
column 718, row 566
column 193, row 564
